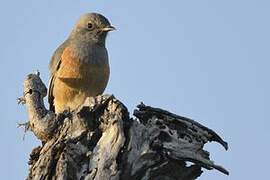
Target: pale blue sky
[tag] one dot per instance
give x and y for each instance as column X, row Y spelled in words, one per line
column 207, row 60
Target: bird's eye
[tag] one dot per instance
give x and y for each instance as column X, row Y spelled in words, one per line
column 90, row 25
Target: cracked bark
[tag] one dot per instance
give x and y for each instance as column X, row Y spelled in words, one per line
column 100, row 141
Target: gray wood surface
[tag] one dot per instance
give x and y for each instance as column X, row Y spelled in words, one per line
column 101, row 141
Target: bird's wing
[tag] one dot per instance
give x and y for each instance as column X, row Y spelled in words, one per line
column 54, row 65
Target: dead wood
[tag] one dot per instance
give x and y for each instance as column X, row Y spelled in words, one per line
column 100, row 141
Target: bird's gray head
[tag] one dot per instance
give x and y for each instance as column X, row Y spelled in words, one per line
column 92, row 27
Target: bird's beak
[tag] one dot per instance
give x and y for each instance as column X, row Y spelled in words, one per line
column 108, row 28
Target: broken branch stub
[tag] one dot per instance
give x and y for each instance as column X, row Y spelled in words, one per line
column 99, row 140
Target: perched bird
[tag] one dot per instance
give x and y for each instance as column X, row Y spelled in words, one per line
column 79, row 68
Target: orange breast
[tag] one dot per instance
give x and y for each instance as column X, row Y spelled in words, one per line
column 76, row 80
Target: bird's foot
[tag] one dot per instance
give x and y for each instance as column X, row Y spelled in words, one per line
column 67, row 113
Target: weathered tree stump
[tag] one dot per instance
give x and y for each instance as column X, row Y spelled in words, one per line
column 100, row 141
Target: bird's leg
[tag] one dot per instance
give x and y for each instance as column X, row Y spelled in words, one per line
column 67, row 113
